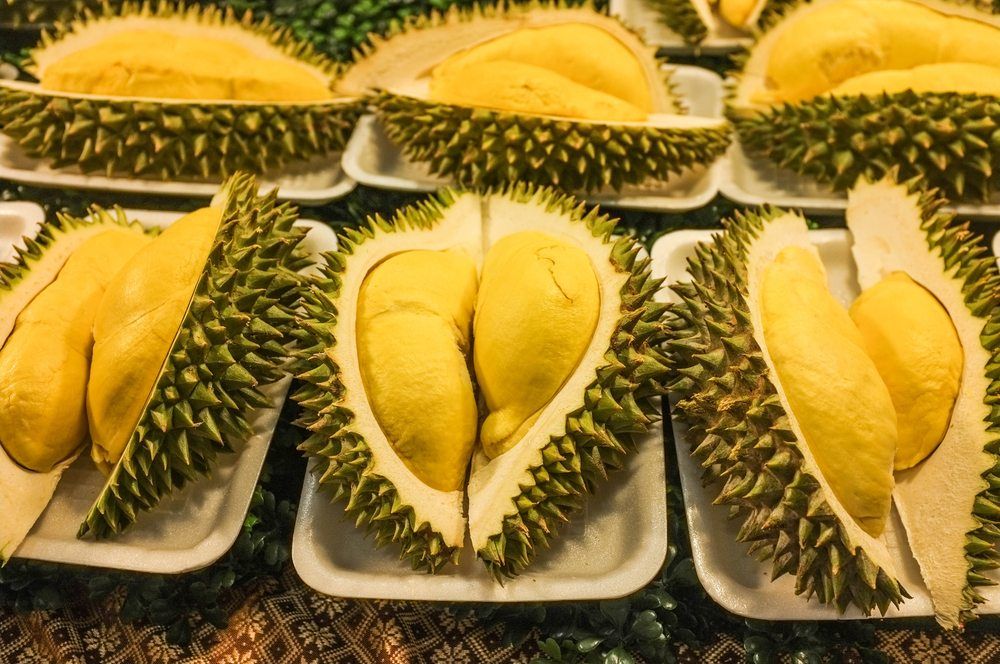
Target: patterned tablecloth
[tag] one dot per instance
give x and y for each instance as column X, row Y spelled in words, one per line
column 280, row 621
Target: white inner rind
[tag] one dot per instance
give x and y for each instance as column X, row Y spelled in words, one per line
column 89, row 33
column 785, row 231
column 402, row 64
column 706, row 14
column 459, row 228
column 935, row 499
column 753, row 78
column 495, row 484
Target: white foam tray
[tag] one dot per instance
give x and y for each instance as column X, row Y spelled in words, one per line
column 17, row 221
column 612, row 548
column 190, row 530
column 372, row 159
column 310, row 183
column 755, row 181
column 641, row 16
column 735, row 580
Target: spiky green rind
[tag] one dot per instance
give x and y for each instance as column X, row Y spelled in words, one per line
column 35, row 12
column 232, row 340
column 950, row 140
column 965, row 258
column 166, row 140
column 741, row 436
column 622, row 402
column 170, row 139
column 485, row 148
column 682, row 18
column 343, row 461
column 280, row 37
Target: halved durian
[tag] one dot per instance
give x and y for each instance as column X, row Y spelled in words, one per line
column 521, row 292
column 541, row 94
column 842, row 90
column 165, row 91
column 946, row 494
column 48, row 296
column 769, row 372
column 185, row 336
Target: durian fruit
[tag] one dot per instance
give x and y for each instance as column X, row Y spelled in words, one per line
column 520, row 292
column 693, row 20
column 916, row 266
column 48, row 297
column 186, row 335
column 167, row 91
column 841, row 90
column 542, row 94
column 786, row 412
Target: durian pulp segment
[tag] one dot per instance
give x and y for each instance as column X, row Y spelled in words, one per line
column 414, row 338
column 791, row 230
column 495, row 483
column 913, row 342
column 547, row 71
column 157, row 62
column 536, row 312
column 825, row 372
column 828, row 43
column 45, row 363
column 936, row 498
column 135, row 328
column 457, row 232
column 740, row 13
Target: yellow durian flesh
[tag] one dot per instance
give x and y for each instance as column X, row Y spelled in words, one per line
column 833, row 388
column 413, row 335
column 538, row 305
column 135, row 327
column 545, row 71
column 45, row 363
column 737, row 13
column 914, row 345
column 160, row 64
column 824, row 49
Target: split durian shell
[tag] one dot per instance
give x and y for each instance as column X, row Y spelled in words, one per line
column 746, row 436
column 518, row 499
column 948, row 503
column 146, row 134
column 693, row 20
column 25, row 493
column 944, row 131
column 479, row 144
column 225, row 341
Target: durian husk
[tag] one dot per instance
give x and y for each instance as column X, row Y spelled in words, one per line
column 166, row 139
column 232, row 341
column 948, row 139
column 949, row 503
column 693, row 20
column 24, row 494
column 743, row 435
column 482, row 147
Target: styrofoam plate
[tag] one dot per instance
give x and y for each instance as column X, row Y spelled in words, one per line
column 17, row 221
column 315, row 182
column 191, row 529
column 735, row 580
column 372, row 159
column 755, row 181
column 639, row 15
column 612, row 548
